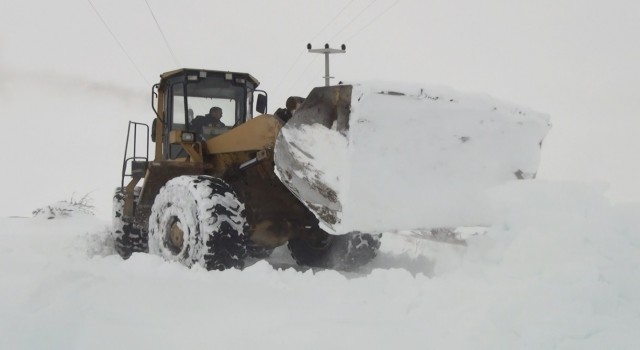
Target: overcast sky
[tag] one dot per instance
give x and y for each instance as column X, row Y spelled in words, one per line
column 67, row 89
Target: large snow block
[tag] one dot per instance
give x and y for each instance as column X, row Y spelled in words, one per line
column 383, row 157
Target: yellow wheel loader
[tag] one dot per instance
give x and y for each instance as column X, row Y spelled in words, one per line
column 326, row 176
column 210, row 195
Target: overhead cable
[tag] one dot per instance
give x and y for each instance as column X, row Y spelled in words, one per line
column 289, row 70
column 373, row 20
column 166, row 42
column 332, row 20
column 352, row 20
column 283, row 77
column 118, row 42
column 295, row 83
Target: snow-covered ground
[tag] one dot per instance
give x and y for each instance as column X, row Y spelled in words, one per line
column 559, row 269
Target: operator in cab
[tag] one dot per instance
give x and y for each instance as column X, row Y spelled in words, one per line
column 209, row 125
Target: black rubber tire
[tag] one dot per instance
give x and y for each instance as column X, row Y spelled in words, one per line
column 258, row 252
column 345, row 252
column 128, row 237
column 208, row 218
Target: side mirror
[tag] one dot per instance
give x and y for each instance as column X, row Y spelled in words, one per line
column 153, row 129
column 261, row 104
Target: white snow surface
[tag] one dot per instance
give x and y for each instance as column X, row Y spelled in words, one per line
column 416, row 157
column 558, row 269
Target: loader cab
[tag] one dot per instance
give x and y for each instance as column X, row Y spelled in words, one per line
column 190, row 94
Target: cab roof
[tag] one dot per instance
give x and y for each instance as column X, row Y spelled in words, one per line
column 186, row 71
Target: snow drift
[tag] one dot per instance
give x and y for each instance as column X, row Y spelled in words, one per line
column 557, row 270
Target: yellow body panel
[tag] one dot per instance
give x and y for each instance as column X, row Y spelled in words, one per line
column 254, row 135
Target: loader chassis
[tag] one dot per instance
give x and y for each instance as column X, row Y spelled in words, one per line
column 273, row 213
column 241, row 156
column 224, row 175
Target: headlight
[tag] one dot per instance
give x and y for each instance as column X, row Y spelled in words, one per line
column 188, row 137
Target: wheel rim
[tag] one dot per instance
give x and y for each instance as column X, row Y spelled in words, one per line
column 175, row 236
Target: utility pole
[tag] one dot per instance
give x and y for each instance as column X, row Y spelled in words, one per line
column 327, row 51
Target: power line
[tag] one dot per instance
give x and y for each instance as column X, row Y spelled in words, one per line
column 282, row 79
column 332, row 20
column 340, row 31
column 326, row 51
column 309, row 80
column 118, row 42
column 288, row 71
column 353, row 19
column 166, row 42
column 373, row 20
column 295, row 83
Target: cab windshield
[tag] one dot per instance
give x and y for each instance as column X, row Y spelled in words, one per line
column 202, row 96
column 191, row 101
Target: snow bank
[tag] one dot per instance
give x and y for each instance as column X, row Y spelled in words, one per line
column 412, row 157
column 559, row 269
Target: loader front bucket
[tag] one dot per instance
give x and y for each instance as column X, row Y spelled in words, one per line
column 388, row 157
column 327, row 109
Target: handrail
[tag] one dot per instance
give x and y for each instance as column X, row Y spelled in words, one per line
column 135, row 156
